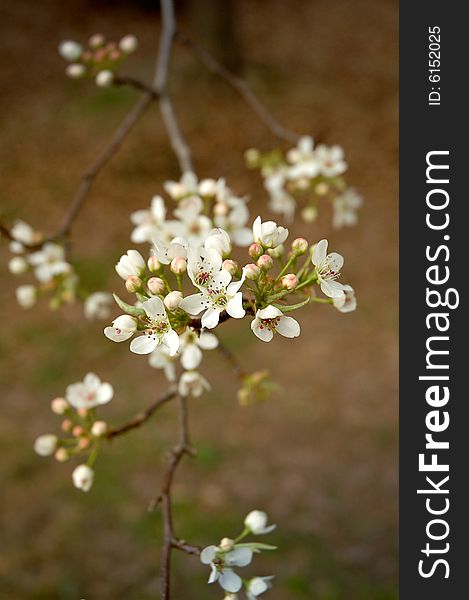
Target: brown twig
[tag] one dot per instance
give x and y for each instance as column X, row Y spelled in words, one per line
column 241, row 87
column 139, row 419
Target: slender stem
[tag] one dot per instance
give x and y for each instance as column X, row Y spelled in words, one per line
column 241, row 87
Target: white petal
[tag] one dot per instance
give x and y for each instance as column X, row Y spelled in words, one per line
column 257, row 229
column 230, row 581
column 239, row 557
column 154, row 308
column 171, row 341
column 288, row 327
column 117, row 335
column 332, row 289
column 319, row 252
column 336, row 261
column 144, row 344
column 191, row 357
column 210, row 318
column 263, row 333
column 207, row 341
column 235, row 306
column 194, row 304
column 208, row 554
column 105, row 393
column 269, row 312
column 92, row 382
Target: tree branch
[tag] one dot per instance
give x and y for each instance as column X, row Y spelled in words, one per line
column 241, row 87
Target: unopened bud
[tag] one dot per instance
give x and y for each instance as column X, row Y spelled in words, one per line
column 226, row 544
column 133, row 284
column 231, row 266
column 255, row 250
column 299, row 246
column 96, row 41
column 309, row 214
column 265, row 262
column 252, row 271
column 99, row 428
column 173, row 300
column 70, row 50
column 322, row 188
column 104, row 78
column 156, row 285
column 128, row 44
column 289, row 282
column 66, row 425
column 82, row 412
column 178, row 265
column 220, row 209
column 17, row 265
column 153, row 264
column 84, row 443
column 77, row 431
column 59, row 406
column 61, row 455
column 75, row 71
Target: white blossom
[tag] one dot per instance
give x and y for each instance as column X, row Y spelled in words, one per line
column 347, row 302
column 89, row 393
column 345, row 208
column 75, row 70
column 197, row 226
column 328, row 268
column 232, row 215
column 26, row 295
column 218, row 240
column 46, row 444
column 151, row 223
column 222, row 564
column 192, row 346
column 268, row 234
column 83, row 477
column 257, row 521
column 104, row 78
column 123, row 328
column 131, row 263
column 49, row 262
column 331, row 160
column 158, row 331
column 97, row 305
column 128, row 44
column 177, row 248
column 70, row 50
column 257, row 586
column 17, row 265
column 192, row 383
column 187, row 186
column 270, row 320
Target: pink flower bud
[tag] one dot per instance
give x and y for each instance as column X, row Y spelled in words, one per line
column 96, row 40
column 82, row 412
column 59, row 406
column 255, row 250
column 156, row 285
column 265, row 262
column 173, row 300
column 133, row 284
column 153, row 264
column 77, row 431
column 289, row 282
column 178, row 265
column 61, row 455
column 299, row 246
column 83, row 443
column 230, row 265
column 66, row 425
column 220, row 209
column 252, row 271
column 99, row 428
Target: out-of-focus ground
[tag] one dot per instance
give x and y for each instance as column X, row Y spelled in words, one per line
column 322, row 457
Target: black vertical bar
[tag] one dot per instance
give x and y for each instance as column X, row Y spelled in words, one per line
column 433, row 118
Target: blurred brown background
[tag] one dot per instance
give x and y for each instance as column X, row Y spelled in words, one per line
column 321, row 458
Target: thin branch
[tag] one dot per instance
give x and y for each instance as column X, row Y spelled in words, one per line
column 241, row 87
column 176, row 138
column 169, row 539
column 141, row 418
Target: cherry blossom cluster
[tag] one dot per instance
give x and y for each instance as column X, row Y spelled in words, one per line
column 304, row 176
column 82, row 431
column 47, row 262
column 99, row 60
column 234, row 553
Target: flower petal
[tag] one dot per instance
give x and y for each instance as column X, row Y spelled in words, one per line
column 235, row 306
column 239, row 557
column 105, row 393
column 319, row 252
column 117, row 335
column 191, row 357
column 332, row 289
column 195, row 303
column 207, row 341
column 288, row 327
column 208, row 554
column 144, row 344
column 230, row 581
column 171, row 341
column 210, row 318
column 154, row 308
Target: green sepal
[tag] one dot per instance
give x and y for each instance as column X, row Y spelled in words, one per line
column 256, row 546
column 290, row 307
column 135, row 311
